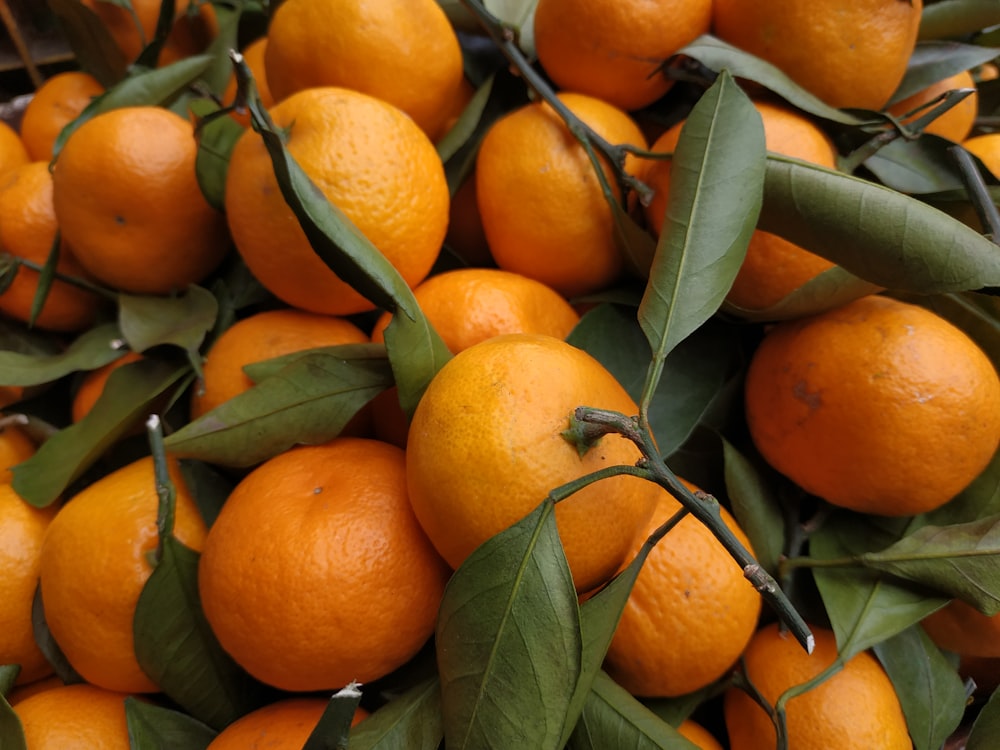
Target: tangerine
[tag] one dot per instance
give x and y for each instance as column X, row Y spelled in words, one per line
column 71, row 716
column 956, row 123
column 56, row 103
column 283, row 725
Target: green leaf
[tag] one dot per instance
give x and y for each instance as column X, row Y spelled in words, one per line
column 755, row 507
column 216, row 138
column 209, row 487
column 933, row 61
column 220, row 71
column 956, row 18
column 334, row 726
column 508, row 640
column 152, row 727
column 175, row 646
column 930, row 691
column 411, row 721
column 715, row 194
column 865, row 606
column 518, row 16
column 47, row 642
column 93, row 46
column 986, row 729
column 8, row 676
column 128, row 395
column 877, row 233
column 181, row 321
column 45, row 279
column 92, row 349
column 309, row 401
column 920, row 166
column 614, row 719
column 961, row 561
column 11, row 732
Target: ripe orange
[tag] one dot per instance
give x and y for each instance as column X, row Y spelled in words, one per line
column 851, row 55
column 773, row 267
column 92, row 385
column 54, row 105
column 612, row 49
column 21, row 529
column 94, row 563
column 253, row 55
column 283, row 725
column 697, row 734
column 856, row 709
column 963, row 629
column 987, row 148
column 690, row 614
column 403, row 52
column 371, row 161
column 263, row 336
column 28, row 230
column 878, row 406
column 469, row 305
column 486, row 446
column 127, row 201
column 342, row 586
column 15, row 447
column 956, row 123
column 540, row 199
column 23, row 692
column 190, row 35
column 73, row 716
column 12, row 149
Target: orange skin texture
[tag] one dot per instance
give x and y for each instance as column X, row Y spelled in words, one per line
column 485, row 447
column 55, row 104
column 22, row 527
column 697, row 734
column 847, row 54
column 261, row 336
column 691, row 611
column 611, row 49
column 94, row 563
column 129, row 204
column 855, row 709
column 540, row 198
column 878, row 406
column 73, row 716
column 956, row 123
column 371, row 161
column 12, row 149
column 343, row 586
column 961, row 628
column 404, row 52
column 283, row 725
column 987, row 148
column 23, row 692
column 190, row 35
column 15, row 447
column 773, row 267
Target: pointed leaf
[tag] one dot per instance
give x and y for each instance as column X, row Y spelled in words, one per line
column 755, row 507
column 93, row 46
column 92, row 349
column 334, row 726
column 308, row 401
column 956, row 18
column 8, row 676
column 176, row 647
column 181, row 321
column 715, row 193
column 152, row 727
column 930, row 691
column 11, row 732
column 227, row 22
column 216, row 139
column 209, row 487
column 986, row 729
column 933, row 61
column 411, row 721
column 919, row 166
column 508, row 640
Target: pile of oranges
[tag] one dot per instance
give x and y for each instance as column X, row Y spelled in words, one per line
column 376, row 293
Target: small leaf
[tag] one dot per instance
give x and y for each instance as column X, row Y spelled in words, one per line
column 93, row 46
column 933, row 61
column 508, row 640
column 181, row 321
column 986, row 729
column 176, row 647
column 411, row 721
column 11, row 731
column 918, row 166
column 216, row 139
column 209, row 487
column 930, row 691
column 8, row 676
column 45, row 279
column 92, row 349
column 334, row 727
column 308, row 401
column 755, row 507
column 227, row 23
column 152, row 727
column 517, row 15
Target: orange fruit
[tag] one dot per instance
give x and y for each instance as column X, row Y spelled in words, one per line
column 95, row 560
column 961, row 628
column 469, row 305
column 21, row 529
column 12, row 149
column 697, row 734
column 23, row 692
column 847, row 55
column 283, row 725
column 957, row 122
column 612, row 49
column 190, row 35
column 261, row 336
column 691, row 611
column 540, row 198
column 773, row 267
column 92, row 385
column 10, row 394
column 56, row 103
column 987, row 148
column 403, row 52
column 127, row 201
column 73, row 716
column 879, row 406
column 501, row 406
column 15, row 447
column 371, row 161
column 28, row 230
column 253, row 55
column 343, row 585
column 855, row 709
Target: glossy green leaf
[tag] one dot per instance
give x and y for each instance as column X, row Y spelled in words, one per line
column 920, row 166
column 755, row 506
column 985, row 732
column 90, row 350
column 93, row 46
column 46, row 277
column 865, row 606
column 220, row 72
column 879, row 234
column 308, row 401
column 930, row 691
column 129, row 393
column 216, row 138
column 8, row 676
column 176, row 647
column 715, row 194
column 933, row 61
column 467, row 125
column 508, row 640
column 334, row 727
column 956, row 18
column 614, row 719
column 181, row 321
column 411, row 721
column 153, row 727
column 11, row 732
